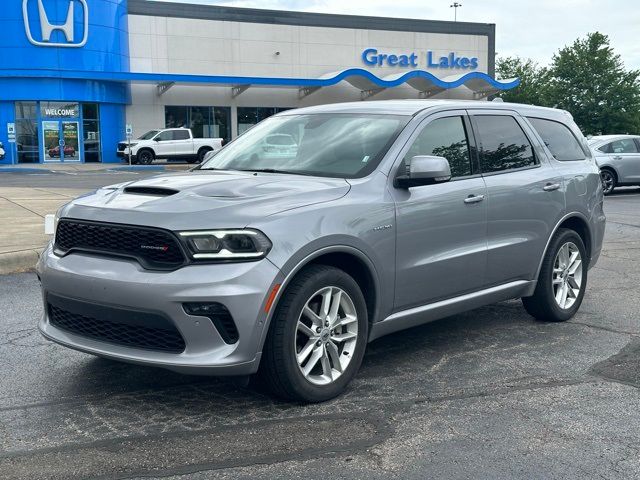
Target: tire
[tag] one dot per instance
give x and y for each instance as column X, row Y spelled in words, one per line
column 285, row 341
column 544, row 303
column 145, row 157
column 201, row 154
column 609, row 180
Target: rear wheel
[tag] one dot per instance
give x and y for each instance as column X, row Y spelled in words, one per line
column 201, row 154
column 317, row 336
column 145, row 157
column 609, row 180
column 562, row 280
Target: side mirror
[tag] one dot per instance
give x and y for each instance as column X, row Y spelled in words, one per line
column 424, row 170
column 157, row 139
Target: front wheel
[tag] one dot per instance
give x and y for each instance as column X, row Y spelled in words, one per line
column 562, row 280
column 317, row 336
column 145, row 157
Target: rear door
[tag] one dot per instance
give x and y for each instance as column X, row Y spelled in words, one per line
column 525, row 195
column 441, row 246
column 183, row 143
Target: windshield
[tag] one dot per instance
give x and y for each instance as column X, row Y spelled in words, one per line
column 328, row 145
column 149, row 135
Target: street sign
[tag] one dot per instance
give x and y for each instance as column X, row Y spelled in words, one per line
column 11, row 132
column 129, row 130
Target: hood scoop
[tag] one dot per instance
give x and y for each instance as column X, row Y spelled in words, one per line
column 151, row 191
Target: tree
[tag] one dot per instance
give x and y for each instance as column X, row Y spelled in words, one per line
column 589, row 80
column 533, row 80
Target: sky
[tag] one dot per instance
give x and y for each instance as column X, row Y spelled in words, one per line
column 533, row 29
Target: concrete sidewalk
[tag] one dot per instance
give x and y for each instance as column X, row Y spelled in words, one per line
column 91, row 167
column 22, row 212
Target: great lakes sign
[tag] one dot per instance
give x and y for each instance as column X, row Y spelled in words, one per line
column 373, row 58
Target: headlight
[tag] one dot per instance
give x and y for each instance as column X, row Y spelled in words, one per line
column 227, row 245
column 131, row 144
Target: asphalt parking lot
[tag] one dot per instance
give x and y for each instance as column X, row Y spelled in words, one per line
column 488, row 394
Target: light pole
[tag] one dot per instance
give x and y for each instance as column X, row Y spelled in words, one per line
column 455, row 6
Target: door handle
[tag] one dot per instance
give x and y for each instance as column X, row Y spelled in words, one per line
column 617, row 157
column 550, row 187
column 474, row 198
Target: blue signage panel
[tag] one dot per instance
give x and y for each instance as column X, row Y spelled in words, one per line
column 46, row 38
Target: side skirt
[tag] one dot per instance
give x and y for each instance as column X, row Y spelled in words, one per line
column 444, row 308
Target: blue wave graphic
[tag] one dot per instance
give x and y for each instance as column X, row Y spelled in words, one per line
column 266, row 81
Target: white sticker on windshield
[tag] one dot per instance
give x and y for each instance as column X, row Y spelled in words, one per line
column 365, row 159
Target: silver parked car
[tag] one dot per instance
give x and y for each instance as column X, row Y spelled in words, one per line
column 618, row 157
column 389, row 215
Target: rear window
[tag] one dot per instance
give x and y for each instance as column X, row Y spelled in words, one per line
column 504, row 146
column 560, row 141
column 181, row 135
column 625, row 145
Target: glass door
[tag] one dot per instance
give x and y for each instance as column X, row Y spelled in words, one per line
column 61, row 141
column 71, row 146
column 51, row 141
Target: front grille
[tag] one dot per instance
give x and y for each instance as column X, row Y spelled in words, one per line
column 136, row 329
column 152, row 247
column 121, row 146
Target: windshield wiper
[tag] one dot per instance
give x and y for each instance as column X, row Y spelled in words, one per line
column 274, row 170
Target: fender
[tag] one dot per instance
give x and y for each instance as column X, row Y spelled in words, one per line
column 553, row 232
column 305, row 261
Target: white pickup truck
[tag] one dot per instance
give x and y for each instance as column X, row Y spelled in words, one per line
column 170, row 143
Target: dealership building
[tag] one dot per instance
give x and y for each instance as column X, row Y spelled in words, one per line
column 75, row 73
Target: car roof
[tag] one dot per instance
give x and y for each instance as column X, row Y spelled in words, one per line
column 412, row 107
column 606, row 138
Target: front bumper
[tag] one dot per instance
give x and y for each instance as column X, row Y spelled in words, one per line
column 123, row 284
column 124, row 154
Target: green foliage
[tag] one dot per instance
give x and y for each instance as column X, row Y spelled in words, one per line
column 533, row 80
column 587, row 79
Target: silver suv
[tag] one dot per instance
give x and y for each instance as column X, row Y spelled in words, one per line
column 379, row 217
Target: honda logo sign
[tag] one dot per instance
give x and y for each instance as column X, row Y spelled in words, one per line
column 47, row 28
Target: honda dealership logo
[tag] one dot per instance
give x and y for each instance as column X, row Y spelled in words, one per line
column 42, row 38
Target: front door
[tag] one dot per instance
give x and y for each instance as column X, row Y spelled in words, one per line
column 441, row 246
column 60, row 139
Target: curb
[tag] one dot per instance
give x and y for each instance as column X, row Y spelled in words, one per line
column 159, row 168
column 24, row 170
column 15, row 262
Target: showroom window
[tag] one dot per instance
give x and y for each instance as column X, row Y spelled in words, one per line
column 91, row 128
column 27, row 137
column 249, row 116
column 205, row 122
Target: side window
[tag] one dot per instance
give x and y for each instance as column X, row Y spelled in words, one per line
column 444, row 137
column 504, row 146
column 559, row 140
column 165, row 136
column 180, row 135
column 625, row 145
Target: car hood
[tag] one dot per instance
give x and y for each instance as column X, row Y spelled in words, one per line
column 204, row 199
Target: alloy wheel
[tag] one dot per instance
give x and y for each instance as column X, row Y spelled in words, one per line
column 608, row 181
column 567, row 275
column 326, row 335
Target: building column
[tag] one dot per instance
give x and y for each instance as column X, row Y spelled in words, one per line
column 234, row 122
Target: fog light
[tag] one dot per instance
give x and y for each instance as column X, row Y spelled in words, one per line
column 219, row 316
